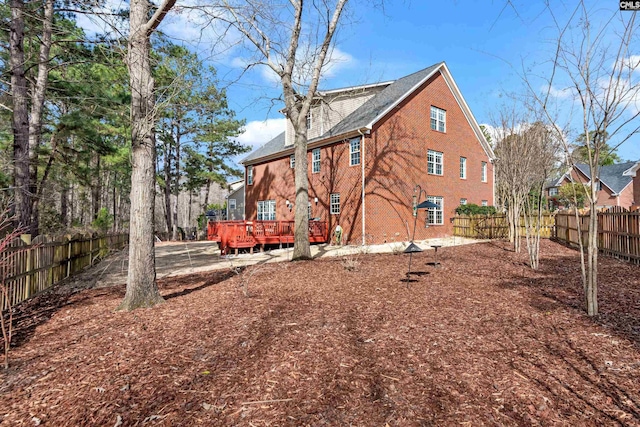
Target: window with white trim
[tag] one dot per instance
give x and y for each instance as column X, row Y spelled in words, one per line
column 463, row 201
column 434, row 215
column 309, row 120
column 292, row 161
column 249, row 175
column 354, row 152
column 553, row 191
column 315, row 164
column 484, row 171
column 438, row 119
column 266, row 210
column 232, row 203
column 485, row 203
column 434, row 162
column 334, row 203
column 463, row 168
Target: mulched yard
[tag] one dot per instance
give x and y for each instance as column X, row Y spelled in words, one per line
column 483, row 340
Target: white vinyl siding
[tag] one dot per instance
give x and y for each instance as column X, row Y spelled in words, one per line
column 434, row 162
column 266, row 210
column 335, row 203
column 354, row 152
column 438, row 119
column 315, row 168
column 232, row 203
column 434, row 215
column 463, row 168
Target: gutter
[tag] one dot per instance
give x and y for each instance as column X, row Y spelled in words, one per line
column 364, row 238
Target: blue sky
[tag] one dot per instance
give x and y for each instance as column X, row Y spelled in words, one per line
column 485, row 44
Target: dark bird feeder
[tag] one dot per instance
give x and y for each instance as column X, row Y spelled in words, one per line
column 413, row 248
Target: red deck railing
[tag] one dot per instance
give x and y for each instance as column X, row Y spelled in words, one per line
column 247, row 234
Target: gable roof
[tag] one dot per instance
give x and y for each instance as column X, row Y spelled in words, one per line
column 368, row 114
column 611, row 175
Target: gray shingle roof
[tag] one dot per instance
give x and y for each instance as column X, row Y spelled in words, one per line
column 359, row 118
column 272, row 147
column 611, row 175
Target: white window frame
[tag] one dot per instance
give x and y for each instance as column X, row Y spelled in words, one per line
column 435, row 216
column 438, row 119
column 553, row 191
column 266, row 210
column 292, row 161
column 463, row 202
column 232, row 203
column 309, row 119
column 485, row 203
column 463, row 168
column 435, row 163
column 354, row 152
column 334, row 203
column 249, row 175
column 484, row 171
column 315, row 164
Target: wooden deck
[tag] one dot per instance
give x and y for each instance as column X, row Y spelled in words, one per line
column 248, row 234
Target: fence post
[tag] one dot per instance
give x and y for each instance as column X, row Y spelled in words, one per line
column 26, row 238
column 69, row 259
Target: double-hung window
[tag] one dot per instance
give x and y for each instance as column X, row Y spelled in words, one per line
column 232, row 203
column 484, row 171
column 315, row 164
column 485, row 203
column 249, row 175
column 292, row 161
column 553, row 191
column 335, row 203
column 434, row 162
column 463, row 201
column 434, row 215
column 438, row 119
column 309, row 120
column 463, row 168
column 354, row 151
column 266, row 210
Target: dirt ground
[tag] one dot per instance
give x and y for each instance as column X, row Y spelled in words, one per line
column 482, row 340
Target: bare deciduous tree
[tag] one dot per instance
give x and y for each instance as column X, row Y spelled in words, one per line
column 294, row 41
column 142, row 290
column 595, row 66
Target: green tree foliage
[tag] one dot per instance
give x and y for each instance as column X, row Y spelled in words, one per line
column 473, row 209
column 608, row 155
column 571, row 195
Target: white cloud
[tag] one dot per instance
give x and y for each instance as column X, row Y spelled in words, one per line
column 559, row 93
column 257, row 133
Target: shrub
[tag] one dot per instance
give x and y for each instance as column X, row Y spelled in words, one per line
column 473, row 209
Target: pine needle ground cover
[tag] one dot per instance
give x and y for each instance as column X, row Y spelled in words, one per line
column 482, row 340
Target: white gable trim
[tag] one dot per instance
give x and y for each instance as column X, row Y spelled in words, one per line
column 632, row 170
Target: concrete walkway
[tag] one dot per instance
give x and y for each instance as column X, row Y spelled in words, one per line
column 180, row 258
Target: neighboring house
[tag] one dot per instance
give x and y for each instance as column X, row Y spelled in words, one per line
column 235, row 200
column 368, row 147
column 619, row 184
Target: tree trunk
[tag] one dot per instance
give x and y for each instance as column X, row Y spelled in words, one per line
column 37, row 106
column 592, row 261
column 175, row 235
column 167, row 185
column 20, row 115
column 142, row 290
column 301, row 246
column 95, row 186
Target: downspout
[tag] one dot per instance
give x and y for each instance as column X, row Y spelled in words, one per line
column 364, row 238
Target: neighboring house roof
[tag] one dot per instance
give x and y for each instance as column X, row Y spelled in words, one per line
column 611, row 175
column 234, row 185
column 369, row 113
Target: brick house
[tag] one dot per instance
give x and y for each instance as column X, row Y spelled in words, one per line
column 368, row 147
column 619, row 183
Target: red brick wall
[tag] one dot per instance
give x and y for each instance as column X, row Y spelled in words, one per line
column 396, row 160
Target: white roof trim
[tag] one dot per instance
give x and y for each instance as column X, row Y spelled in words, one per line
column 632, row 170
column 351, row 88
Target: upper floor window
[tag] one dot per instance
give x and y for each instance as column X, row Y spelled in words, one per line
column 553, row 191
column 434, row 162
column 232, row 203
column 484, row 171
column 292, row 161
column 309, row 120
column 354, row 150
column 315, row 157
column 438, row 119
column 434, row 215
column 249, row 175
column 335, row 204
column 463, row 168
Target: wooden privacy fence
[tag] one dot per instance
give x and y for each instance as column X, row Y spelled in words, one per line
column 496, row 226
column 30, row 267
column 618, row 231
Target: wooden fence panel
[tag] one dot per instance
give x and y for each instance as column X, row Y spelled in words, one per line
column 618, row 232
column 496, row 226
column 31, row 267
